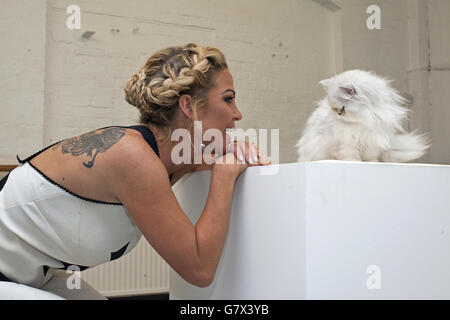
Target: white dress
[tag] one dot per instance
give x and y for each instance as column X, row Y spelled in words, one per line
column 45, row 227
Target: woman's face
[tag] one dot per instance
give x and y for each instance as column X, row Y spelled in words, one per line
column 221, row 111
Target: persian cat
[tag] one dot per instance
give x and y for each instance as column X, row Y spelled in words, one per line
column 360, row 119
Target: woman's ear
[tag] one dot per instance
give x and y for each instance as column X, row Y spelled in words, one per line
column 185, row 104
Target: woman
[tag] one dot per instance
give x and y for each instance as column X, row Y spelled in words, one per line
column 87, row 200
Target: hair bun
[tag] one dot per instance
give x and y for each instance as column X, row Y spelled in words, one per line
column 156, row 87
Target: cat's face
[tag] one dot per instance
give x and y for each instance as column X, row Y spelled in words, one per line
column 350, row 94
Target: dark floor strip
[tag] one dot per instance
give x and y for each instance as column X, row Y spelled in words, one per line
column 162, row 296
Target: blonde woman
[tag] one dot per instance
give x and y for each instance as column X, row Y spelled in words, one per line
column 87, row 200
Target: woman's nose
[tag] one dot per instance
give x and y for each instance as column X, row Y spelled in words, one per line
column 237, row 115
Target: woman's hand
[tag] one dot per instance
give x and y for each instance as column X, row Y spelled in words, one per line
column 240, row 155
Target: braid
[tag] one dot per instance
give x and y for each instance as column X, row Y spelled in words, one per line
column 168, row 73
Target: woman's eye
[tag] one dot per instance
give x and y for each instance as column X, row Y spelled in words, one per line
column 229, row 99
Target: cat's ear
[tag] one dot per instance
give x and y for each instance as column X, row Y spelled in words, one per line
column 325, row 83
column 348, row 90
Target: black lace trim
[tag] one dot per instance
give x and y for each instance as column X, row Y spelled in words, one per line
column 147, row 135
column 74, row 194
column 36, row 153
column 3, row 181
column 4, row 278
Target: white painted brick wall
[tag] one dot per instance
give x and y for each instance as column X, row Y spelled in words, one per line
column 22, row 76
column 277, row 52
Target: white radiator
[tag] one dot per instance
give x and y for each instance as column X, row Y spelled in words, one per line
column 142, row 271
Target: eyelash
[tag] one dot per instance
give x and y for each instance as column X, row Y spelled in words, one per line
column 228, row 99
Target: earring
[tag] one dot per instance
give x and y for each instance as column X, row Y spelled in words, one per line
column 202, row 145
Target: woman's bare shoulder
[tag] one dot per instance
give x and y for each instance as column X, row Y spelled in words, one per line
column 101, row 144
column 132, row 148
column 87, row 163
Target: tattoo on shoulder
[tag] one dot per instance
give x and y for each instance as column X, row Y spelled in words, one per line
column 92, row 143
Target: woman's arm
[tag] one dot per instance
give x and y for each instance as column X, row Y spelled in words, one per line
column 212, row 226
column 139, row 180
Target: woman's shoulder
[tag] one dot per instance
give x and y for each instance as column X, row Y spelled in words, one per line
column 119, row 147
column 131, row 152
column 102, row 141
column 88, row 164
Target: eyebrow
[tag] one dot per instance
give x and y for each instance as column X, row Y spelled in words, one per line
column 230, row 91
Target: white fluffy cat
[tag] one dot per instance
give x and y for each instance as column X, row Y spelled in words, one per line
column 360, row 119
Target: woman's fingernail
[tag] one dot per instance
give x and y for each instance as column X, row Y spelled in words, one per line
column 255, row 159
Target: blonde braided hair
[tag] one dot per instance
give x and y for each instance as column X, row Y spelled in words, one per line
column 169, row 73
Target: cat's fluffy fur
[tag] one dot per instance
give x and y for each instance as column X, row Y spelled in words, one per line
column 360, row 119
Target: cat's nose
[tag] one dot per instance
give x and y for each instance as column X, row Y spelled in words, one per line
column 340, row 111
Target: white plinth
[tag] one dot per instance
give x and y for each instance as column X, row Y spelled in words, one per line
column 313, row 230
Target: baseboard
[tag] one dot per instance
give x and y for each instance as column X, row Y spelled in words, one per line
column 158, row 296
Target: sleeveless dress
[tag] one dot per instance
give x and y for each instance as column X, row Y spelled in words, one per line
column 45, row 227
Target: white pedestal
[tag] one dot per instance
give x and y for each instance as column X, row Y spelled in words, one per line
column 329, row 230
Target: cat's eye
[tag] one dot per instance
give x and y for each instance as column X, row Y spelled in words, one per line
column 349, row 90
